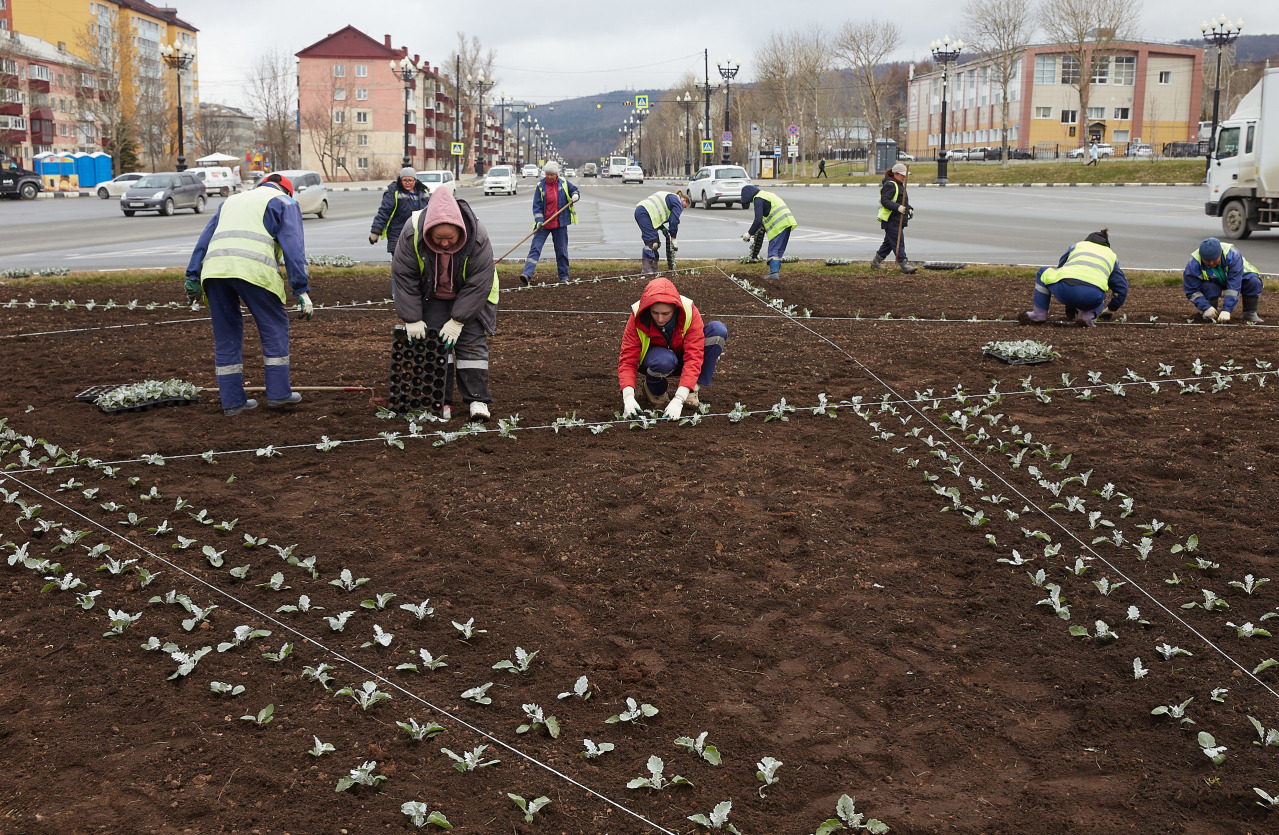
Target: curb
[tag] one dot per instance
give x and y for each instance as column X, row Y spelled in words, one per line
column 45, row 195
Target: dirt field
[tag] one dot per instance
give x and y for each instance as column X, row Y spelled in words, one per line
column 799, row 588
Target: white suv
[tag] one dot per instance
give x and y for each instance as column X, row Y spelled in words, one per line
column 500, row 179
column 718, row 184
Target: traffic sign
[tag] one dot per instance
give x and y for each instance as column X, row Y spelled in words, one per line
column 726, row 136
column 793, row 130
column 708, row 146
column 792, row 150
column 777, row 150
column 727, row 143
column 459, row 148
column 641, row 102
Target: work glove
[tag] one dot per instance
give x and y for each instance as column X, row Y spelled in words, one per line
column 415, row 330
column 1106, row 315
column 575, row 197
column 448, row 333
column 910, row 213
column 306, row 310
column 1223, row 317
column 654, row 246
column 676, row 407
column 901, row 209
column 630, row 408
column 746, row 237
column 674, row 245
column 537, row 224
column 1211, row 314
column 193, row 290
column 373, row 237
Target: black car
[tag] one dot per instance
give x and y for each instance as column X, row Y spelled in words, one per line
column 1013, row 153
column 163, row 193
column 1186, row 149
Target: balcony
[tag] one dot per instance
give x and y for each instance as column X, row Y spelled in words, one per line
column 411, row 129
column 36, row 85
column 11, row 108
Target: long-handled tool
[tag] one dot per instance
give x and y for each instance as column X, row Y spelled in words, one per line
column 314, row 388
column 534, row 232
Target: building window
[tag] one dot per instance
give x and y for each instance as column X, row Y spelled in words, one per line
column 361, row 70
column 339, row 94
column 362, row 163
column 1101, row 69
column 339, row 70
column 1123, row 114
column 1069, row 69
column 1126, row 70
column 1165, row 76
column 1069, row 117
column 361, row 94
column 339, row 117
column 340, row 162
column 38, row 73
column 1045, row 69
column 1072, row 130
column 983, row 86
column 361, row 139
column 1043, row 112
column 1096, row 113
column 361, row 117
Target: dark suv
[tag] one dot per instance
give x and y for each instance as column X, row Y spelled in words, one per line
column 164, row 193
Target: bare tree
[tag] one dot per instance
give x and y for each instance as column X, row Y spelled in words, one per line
column 326, row 123
column 110, row 98
column 1000, row 31
column 475, row 63
column 1088, row 31
column 866, row 46
column 271, row 87
column 155, row 122
column 212, row 129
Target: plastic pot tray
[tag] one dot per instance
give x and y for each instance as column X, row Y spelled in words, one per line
column 1016, row 360
column 91, row 394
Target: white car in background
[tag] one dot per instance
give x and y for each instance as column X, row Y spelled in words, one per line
column 500, row 180
column 633, row 174
column 118, row 186
column 436, row 178
column 309, row 190
column 718, row 184
column 530, row 171
column 570, row 172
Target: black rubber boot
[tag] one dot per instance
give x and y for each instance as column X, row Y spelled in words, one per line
column 1250, row 310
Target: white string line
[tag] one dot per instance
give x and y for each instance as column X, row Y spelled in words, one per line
column 339, row 656
column 462, row 432
column 1069, row 533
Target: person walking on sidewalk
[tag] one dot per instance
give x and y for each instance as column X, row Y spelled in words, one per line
column 821, row 168
column 895, row 213
column 659, row 209
column 400, row 200
column 772, row 218
column 1214, row 279
column 444, row 279
column 550, row 196
column 1080, row 281
column 665, row 337
column 1093, row 154
column 237, row 260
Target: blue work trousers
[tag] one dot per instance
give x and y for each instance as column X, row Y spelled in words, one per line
column 225, row 296
column 1078, row 296
column 660, row 363
column 559, row 238
column 777, row 249
column 648, row 259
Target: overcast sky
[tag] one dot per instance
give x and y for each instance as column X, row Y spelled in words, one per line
column 571, row 48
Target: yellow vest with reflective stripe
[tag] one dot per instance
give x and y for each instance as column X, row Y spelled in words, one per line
column 572, row 210
column 687, row 304
column 655, row 205
column 884, row 213
column 494, row 293
column 1225, row 250
column 779, row 216
column 242, row 248
column 1088, row 262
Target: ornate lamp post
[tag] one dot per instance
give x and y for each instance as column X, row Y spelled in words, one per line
column 944, row 53
column 639, row 116
column 480, row 84
column 687, row 103
column 1220, row 33
column 727, row 70
column 501, row 119
column 406, row 71
column 181, row 57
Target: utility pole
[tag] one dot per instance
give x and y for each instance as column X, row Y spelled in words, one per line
column 457, row 116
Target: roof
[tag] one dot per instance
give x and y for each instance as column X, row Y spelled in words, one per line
column 348, row 42
column 35, row 49
column 165, row 13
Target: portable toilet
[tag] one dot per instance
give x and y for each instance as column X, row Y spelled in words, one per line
column 102, row 166
column 85, row 169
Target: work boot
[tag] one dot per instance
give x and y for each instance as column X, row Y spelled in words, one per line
column 878, row 262
column 692, row 400
column 1033, row 317
column 524, row 279
column 657, row 400
column 907, row 267
column 248, row 404
column 648, row 266
column 1071, row 313
column 292, row 399
column 1250, row 316
column 479, row 411
column 773, row 276
column 1086, row 319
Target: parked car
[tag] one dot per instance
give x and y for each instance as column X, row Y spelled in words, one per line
column 164, row 193
column 218, row 179
column 436, row 178
column 530, row 171
column 1140, row 150
column 590, row 170
column 953, row 154
column 570, row 172
column 905, row 157
column 633, row 174
column 121, row 184
column 500, row 180
column 1103, row 150
column 1013, row 153
column 718, row 184
column 1186, row 149
column 309, row 190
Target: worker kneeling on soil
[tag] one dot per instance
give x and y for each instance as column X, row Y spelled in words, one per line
column 444, row 279
column 665, row 336
column 1214, row 279
column 1080, row 281
column 236, row 260
column 659, row 209
column 774, row 219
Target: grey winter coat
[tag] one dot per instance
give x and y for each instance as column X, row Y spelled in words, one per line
column 474, row 276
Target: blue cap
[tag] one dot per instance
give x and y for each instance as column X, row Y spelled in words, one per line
column 748, row 193
column 1210, row 249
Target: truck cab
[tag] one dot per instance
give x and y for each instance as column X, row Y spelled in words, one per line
column 15, row 181
column 1243, row 164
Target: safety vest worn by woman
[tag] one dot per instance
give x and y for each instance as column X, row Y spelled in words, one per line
column 1088, row 262
column 655, row 205
column 242, row 248
column 1217, row 274
column 644, row 339
column 779, row 216
column 884, row 212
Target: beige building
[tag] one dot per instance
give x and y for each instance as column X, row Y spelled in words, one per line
column 1140, row 92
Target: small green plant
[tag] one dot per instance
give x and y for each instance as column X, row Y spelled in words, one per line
column 581, row 689
column 471, row 760
column 428, row 661
column 348, row 581
column 529, row 807
column 633, row 713
column 224, row 689
column 380, row 638
column 718, row 818
column 592, row 750
column 366, row 697
column 1177, row 712
column 1213, row 751
column 521, row 664
column 285, row 652
column 263, row 716
column 319, row 749
column 656, row 780
column 420, row 732
column 700, row 747
column 537, row 720
column 479, row 695
column 767, row 773
column 419, row 816
column 362, row 776
column 850, row 818
column 467, row 630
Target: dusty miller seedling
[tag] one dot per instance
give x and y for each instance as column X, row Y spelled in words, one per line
column 581, row 688
column 348, row 581
column 242, row 634
column 224, row 689
column 850, row 818
column 367, row 696
column 767, row 773
column 656, row 780
column 285, row 652
column 378, row 601
column 320, row 674
column 633, row 712
column 380, row 638
column 419, row 816
column 592, row 750
column 319, row 749
column 1177, row 712
column 362, row 776
column 479, row 695
column 1138, row 671
column 120, row 621
column 420, row 610
column 700, row 747
column 529, row 807
column 428, row 661
column 718, row 818
column 420, row 732
column 521, row 664
column 338, row 622
column 467, row 630
column 471, row 760
column 1265, row 736
column 263, row 717
column 1213, row 751
column 537, row 720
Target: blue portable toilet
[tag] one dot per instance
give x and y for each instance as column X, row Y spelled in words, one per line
column 85, row 169
column 102, row 166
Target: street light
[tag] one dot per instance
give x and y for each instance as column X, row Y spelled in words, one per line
column 727, row 70
column 179, row 58
column 501, row 142
column 945, row 53
column 480, row 83
column 639, row 116
column 687, row 103
column 406, row 71
column 1221, row 33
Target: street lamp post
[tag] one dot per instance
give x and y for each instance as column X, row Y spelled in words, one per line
column 640, row 116
column 480, row 84
column 727, row 70
column 181, row 57
column 406, row 71
column 687, row 103
column 501, row 119
column 945, row 53
column 1220, row 33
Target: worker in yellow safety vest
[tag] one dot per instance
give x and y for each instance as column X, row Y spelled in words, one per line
column 772, row 218
column 660, row 209
column 894, row 216
column 1080, row 281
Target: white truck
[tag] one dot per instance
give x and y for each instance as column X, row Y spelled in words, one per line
column 616, row 165
column 1243, row 164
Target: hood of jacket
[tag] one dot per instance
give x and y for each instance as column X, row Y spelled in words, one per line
column 748, row 193
column 658, row 290
column 442, row 209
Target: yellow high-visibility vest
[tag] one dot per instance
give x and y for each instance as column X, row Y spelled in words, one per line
column 1088, row 262
column 242, row 248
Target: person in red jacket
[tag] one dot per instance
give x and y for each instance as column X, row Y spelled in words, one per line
column 665, row 336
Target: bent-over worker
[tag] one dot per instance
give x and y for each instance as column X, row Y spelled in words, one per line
column 774, row 218
column 1080, row 281
column 662, row 208
column 1216, row 276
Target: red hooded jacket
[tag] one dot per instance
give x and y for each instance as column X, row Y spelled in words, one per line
column 688, row 341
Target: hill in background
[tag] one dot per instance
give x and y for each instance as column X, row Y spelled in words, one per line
column 582, row 131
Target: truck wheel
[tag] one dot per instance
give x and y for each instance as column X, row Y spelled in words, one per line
column 1234, row 221
column 29, row 191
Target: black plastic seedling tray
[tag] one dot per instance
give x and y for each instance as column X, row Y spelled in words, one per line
column 91, row 395
column 1017, row 360
column 420, row 374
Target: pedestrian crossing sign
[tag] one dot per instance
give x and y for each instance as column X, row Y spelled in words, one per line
column 641, row 102
column 708, row 146
column 459, row 148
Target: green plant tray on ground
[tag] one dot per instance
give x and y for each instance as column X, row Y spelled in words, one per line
column 1016, row 360
column 91, row 395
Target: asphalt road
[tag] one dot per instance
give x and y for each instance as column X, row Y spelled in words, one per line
column 1151, row 227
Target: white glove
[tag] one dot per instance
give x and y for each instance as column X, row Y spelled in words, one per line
column 308, row 309
column 1211, row 313
column 901, row 209
column 448, row 333
column 1223, row 316
column 676, row 407
column 575, row 197
column 674, row 245
column 415, row 330
column 747, row 237
column 630, row 408
column 654, row 245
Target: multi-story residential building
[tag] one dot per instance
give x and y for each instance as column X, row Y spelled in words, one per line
column 42, row 88
column 1140, row 92
column 224, row 129
column 352, row 108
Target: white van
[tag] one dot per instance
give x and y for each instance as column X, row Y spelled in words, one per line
column 218, row 179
